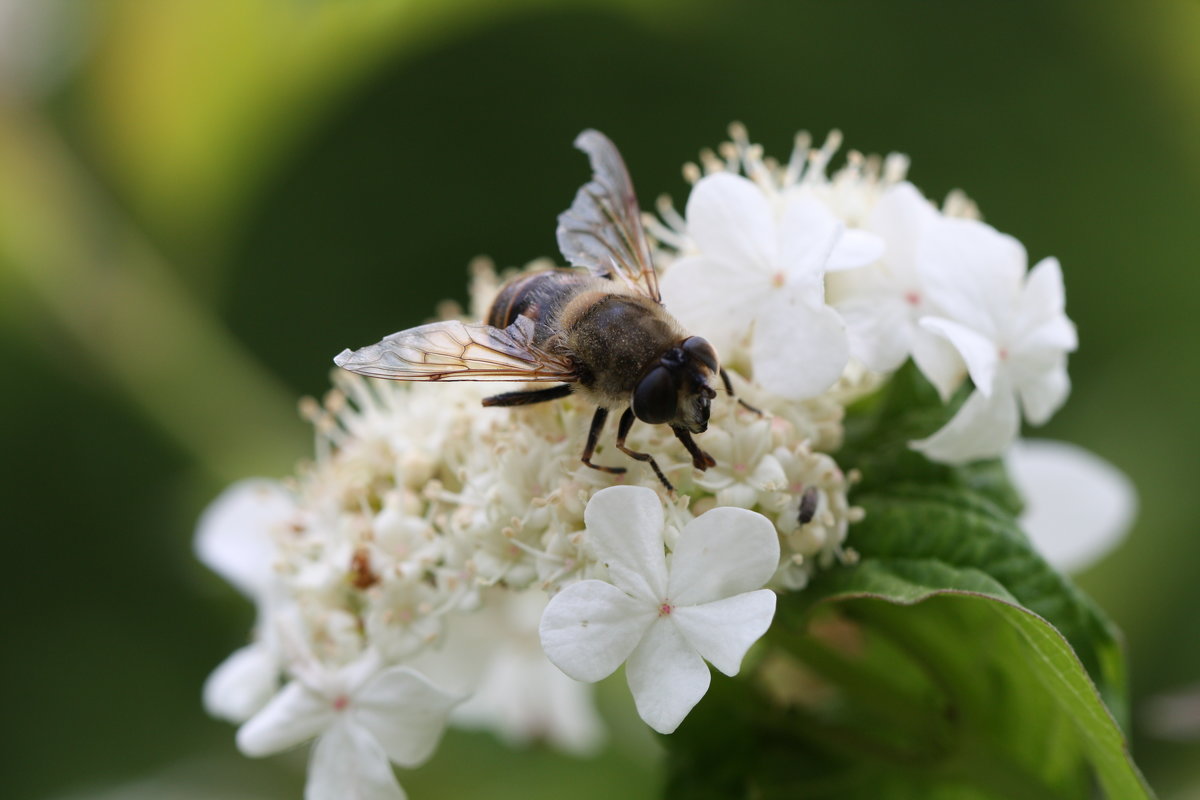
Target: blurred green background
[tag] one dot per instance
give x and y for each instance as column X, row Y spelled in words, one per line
column 200, row 203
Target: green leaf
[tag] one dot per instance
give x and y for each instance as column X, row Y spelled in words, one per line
column 925, row 693
column 964, row 517
column 962, row 530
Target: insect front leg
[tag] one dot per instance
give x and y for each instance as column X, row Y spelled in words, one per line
column 594, row 436
column 623, row 431
column 729, row 391
column 700, row 459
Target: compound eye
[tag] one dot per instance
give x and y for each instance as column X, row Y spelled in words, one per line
column 656, row 396
column 702, row 351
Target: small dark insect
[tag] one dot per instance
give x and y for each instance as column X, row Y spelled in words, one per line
column 600, row 331
column 808, row 505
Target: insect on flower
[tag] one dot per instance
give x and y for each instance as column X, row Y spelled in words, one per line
column 600, row 331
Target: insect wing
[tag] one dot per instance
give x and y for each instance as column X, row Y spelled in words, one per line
column 602, row 230
column 458, row 351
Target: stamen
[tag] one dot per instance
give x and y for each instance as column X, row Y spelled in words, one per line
column 818, row 160
column 739, row 134
column 732, row 155
column 533, row 551
column 757, row 171
column 710, row 162
column 795, row 167
column 895, row 168
column 663, row 234
column 569, row 566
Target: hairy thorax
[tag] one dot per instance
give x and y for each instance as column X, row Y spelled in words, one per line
column 614, row 339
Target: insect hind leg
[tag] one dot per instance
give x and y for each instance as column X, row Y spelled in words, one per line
column 527, row 398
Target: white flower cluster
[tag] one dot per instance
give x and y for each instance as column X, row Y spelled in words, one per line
column 798, row 274
column 401, row 576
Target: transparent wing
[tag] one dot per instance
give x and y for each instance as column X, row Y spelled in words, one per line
column 458, row 351
column 602, row 230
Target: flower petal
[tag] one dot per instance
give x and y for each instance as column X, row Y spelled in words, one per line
column 405, row 712
column 348, row 764
column 813, row 241
column 666, row 676
column 590, row 627
column 971, row 273
column 938, row 361
column 730, row 219
column 977, row 351
column 624, row 531
column 983, row 428
column 808, row 235
column 1040, row 347
column 1040, row 398
column 523, row 698
column 739, row 494
column 721, row 553
column 900, row 217
column 294, row 715
column 880, row 329
column 243, row 683
column 1077, row 505
column 855, row 248
column 234, row 535
column 1043, row 297
column 799, row 350
column 722, row 631
column 711, row 297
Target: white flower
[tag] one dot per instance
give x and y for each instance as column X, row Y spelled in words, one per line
column 883, row 303
column 664, row 620
column 516, row 692
column 745, row 468
column 1010, row 329
column 362, row 717
column 1077, row 505
column 236, row 539
column 244, row 682
column 759, row 272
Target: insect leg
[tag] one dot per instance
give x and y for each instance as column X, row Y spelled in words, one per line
column 525, row 398
column 700, row 459
column 729, row 391
column 592, row 437
column 622, row 431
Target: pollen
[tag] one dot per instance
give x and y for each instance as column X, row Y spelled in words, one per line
column 665, row 609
